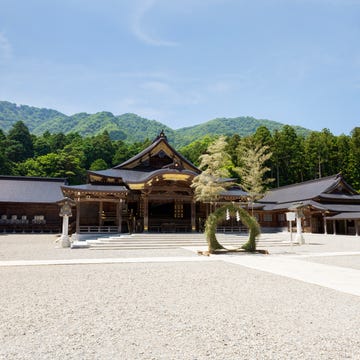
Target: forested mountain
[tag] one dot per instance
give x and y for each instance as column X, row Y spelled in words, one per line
column 295, row 158
column 31, row 116
column 127, row 127
column 242, row 126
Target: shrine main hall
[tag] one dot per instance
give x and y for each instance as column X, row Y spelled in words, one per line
column 151, row 192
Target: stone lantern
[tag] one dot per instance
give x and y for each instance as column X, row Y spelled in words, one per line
column 65, row 212
column 299, row 214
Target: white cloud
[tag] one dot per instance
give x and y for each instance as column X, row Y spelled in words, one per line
column 137, row 26
column 5, row 48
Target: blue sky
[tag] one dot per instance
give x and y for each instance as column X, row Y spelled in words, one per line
column 184, row 62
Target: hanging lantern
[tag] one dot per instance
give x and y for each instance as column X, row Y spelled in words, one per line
column 227, row 214
column 237, row 216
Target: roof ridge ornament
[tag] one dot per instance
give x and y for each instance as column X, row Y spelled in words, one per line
column 161, row 135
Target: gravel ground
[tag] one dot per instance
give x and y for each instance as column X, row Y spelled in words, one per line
column 45, row 247
column 171, row 311
column 192, row 310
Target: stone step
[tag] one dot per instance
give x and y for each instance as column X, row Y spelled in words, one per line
column 171, row 241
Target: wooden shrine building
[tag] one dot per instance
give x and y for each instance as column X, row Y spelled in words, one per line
column 29, row 204
column 149, row 192
column 329, row 205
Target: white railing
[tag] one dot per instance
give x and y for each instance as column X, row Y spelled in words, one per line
column 98, row 229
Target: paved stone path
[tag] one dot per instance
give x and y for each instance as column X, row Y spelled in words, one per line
column 334, row 277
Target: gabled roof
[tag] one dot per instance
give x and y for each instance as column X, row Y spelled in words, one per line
column 159, row 147
column 309, row 190
column 18, row 189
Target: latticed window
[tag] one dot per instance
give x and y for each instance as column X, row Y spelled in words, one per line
column 178, row 210
column 268, row 217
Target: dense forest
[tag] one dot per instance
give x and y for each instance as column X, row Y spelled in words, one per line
column 295, row 157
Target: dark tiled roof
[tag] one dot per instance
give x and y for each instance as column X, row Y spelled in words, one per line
column 18, row 189
column 303, row 191
column 342, row 207
column 345, row 216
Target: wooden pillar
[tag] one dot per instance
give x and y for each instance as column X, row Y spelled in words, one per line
column 100, row 213
column 334, row 225
column 193, row 216
column 356, row 227
column 299, row 235
column 78, row 217
column 146, row 212
column 345, row 227
column 325, row 225
column 119, row 214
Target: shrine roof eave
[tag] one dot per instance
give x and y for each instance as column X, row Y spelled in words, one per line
column 92, row 189
column 341, row 197
column 138, row 177
column 288, row 205
column 345, row 216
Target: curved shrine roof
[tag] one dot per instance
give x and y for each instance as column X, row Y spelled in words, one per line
column 331, row 185
column 136, row 176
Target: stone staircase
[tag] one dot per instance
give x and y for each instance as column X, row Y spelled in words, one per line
column 177, row 240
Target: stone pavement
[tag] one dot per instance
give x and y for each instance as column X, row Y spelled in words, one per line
column 334, row 277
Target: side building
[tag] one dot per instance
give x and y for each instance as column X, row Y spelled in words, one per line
column 329, row 205
column 29, row 204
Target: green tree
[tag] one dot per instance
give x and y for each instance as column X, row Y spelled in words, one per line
column 5, row 165
column 41, row 146
column 288, row 159
column 342, row 156
column 354, row 158
column 98, row 147
column 53, row 165
column 253, row 158
column 98, row 164
column 19, row 143
column 194, row 150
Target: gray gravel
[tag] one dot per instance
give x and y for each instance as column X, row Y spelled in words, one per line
column 171, row 311
column 45, row 247
column 195, row 310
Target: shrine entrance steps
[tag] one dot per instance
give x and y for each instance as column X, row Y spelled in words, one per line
column 171, row 241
